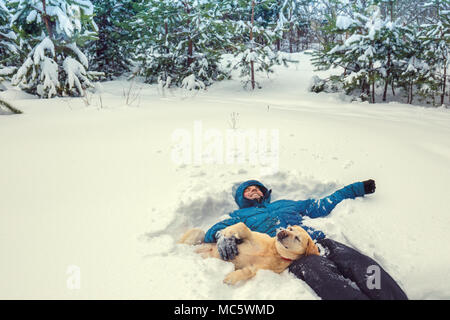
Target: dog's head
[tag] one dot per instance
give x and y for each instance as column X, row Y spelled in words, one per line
column 294, row 242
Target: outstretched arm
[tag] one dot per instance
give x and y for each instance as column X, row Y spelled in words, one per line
column 320, row 208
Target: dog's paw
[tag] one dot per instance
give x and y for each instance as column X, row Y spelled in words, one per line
column 229, row 233
column 232, row 278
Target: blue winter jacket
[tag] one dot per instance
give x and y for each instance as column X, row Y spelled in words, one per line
column 267, row 217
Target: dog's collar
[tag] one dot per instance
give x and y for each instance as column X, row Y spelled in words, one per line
column 286, row 259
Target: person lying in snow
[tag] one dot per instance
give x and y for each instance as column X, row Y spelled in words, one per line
column 330, row 274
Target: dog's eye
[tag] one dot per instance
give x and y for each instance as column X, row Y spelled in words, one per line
column 296, row 238
column 290, row 229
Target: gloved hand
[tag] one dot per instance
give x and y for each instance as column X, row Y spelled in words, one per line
column 227, row 247
column 369, row 186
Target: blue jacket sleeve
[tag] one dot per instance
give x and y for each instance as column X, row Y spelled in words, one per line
column 320, row 208
column 210, row 235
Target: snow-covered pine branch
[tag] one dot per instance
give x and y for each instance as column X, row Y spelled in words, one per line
column 53, row 30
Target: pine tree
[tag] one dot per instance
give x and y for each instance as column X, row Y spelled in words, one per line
column 9, row 50
column 181, row 42
column 254, row 50
column 412, row 71
column 372, row 50
column 357, row 54
column 305, row 13
column 54, row 30
column 293, row 18
column 393, row 47
column 111, row 52
column 436, row 39
column 324, row 21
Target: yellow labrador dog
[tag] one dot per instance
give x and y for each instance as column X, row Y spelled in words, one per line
column 257, row 250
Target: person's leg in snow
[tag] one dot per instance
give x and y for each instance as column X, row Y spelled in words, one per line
column 358, row 267
column 342, row 274
column 323, row 276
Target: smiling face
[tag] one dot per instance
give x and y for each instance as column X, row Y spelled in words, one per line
column 253, row 193
column 293, row 242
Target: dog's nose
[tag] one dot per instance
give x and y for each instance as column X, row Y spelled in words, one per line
column 281, row 235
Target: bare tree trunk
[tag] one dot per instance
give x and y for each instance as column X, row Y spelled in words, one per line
column 166, row 30
column 373, row 91
column 190, row 45
column 252, row 66
column 190, row 52
column 444, row 84
column 278, row 41
column 299, row 42
column 372, row 83
column 388, row 73
column 410, row 94
column 391, row 5
column 291, row 32
column 386, row 85
column 46, row 19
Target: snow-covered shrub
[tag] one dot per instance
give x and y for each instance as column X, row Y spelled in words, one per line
column 53, row 30
column 317, row 85
column 331, row 84
column 191, row 83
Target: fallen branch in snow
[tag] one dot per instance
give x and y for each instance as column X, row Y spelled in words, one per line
column 9, row 107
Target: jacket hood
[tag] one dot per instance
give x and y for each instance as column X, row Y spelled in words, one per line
column 246, row 203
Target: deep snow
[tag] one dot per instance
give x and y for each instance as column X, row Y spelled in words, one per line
column 97, row 184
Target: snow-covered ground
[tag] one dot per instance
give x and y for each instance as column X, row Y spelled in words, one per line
column 95, row 192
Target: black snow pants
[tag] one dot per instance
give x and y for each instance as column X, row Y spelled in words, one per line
column 343, row 273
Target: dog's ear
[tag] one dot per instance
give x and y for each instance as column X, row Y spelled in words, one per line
column 311, row 248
